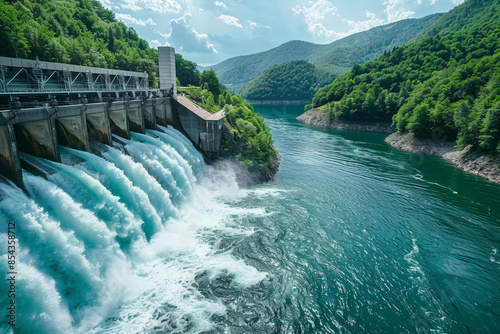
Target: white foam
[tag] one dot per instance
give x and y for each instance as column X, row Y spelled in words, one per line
column 95, row 197
column 135, row 199
column 88, row 284
column 41, row 307
column 142, row 179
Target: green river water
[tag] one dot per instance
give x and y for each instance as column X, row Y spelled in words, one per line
column 364, row 238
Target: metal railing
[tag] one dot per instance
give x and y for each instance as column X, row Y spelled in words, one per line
column 23, row 75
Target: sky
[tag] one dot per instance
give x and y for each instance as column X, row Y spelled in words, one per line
column 208, row 32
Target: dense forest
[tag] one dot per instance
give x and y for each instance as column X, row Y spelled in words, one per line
column 78, row 32
column 186, row 71
column 333, row 59
column 445, row 84
column 296, row 80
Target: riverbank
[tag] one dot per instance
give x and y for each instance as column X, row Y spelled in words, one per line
column 471, row 162
column 234, row 148
column 277, row 102
column 466, row 160
column 320, row 118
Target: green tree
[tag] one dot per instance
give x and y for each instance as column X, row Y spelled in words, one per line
column 186, row 71
column 419, row 122
column 447, row 81
column 78, row 32
column 489, row 139
column 111, row 39
column 12, row 40
column 213, row 84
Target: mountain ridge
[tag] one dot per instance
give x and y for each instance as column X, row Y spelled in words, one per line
column 236, row 71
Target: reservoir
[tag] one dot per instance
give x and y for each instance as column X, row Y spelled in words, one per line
column 353, row 236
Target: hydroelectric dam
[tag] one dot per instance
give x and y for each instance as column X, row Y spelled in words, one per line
column 45, row 104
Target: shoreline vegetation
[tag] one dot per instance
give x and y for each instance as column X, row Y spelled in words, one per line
column 482, row 165
column 246, row 139
column 444, row 84
column 264, row 102
column 320, row 118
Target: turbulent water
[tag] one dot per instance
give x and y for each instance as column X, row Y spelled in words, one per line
column 351, row 237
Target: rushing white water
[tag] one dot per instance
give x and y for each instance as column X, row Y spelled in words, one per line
column 115, row 243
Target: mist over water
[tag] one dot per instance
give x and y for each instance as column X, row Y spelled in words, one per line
column 352, row 236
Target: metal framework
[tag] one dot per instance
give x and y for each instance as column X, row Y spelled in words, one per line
column 22, row 75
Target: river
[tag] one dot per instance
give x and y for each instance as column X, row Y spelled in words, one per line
column 353, row 236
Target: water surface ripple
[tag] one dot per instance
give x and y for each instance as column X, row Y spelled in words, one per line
column 363, row 238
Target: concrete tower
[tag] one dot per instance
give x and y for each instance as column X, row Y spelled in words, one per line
column 166, row 64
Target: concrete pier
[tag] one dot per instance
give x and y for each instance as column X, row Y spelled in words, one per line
column 135, row 116
column 163, row 112
column 71, row 124
column 10, row 165
column 118, row 118
column 149, row 112
column 36, row 133
column 98, row 122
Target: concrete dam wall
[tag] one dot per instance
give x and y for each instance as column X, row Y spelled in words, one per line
column 36, row 121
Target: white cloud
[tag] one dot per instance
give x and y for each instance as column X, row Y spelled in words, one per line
column 128, row 19
column 186, row 37
column 132, row 5
column 358, row 26
column 163, row 6
column 212, row 47
column 158, row 6
column 166, row 36
column 254, row 25
column 316, row 13
column 198, row 35
column 220, row 4
column 397, row 10
column 154, row 43
column 230, row 20
column 321, row 16
column 106, row 3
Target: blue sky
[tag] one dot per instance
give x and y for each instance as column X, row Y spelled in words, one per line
column 208, row 32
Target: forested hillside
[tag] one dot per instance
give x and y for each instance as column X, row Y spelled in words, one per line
column 246, row 139
column 79, row 32
column 446, row 83
column 334, row 59
column 296, row 80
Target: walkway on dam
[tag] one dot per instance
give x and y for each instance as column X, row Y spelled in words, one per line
column 199, row 111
